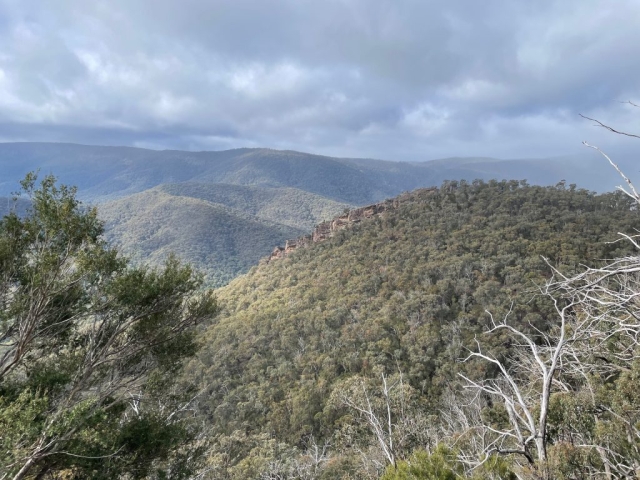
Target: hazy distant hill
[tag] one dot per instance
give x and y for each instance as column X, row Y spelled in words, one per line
column 220, row 241
column 110, row 172
column 588, row 171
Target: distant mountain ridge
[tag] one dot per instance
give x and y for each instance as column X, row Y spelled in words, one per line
column 103, row 173
column 109, row 172
column 224, row 210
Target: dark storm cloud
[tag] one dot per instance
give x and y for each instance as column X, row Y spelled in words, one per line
column 389, row 79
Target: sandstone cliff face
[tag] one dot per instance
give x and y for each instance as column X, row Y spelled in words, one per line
column 327, row 229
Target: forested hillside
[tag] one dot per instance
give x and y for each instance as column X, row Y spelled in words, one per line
column 102, row 173
column 278, row 205
column 302, row 342
column 221, row 229
column 219, row 241
column 223, row 210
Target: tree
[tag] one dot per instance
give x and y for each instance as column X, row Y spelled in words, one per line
column 605, row 364
column 382, row 426
column 89, row 347
column 438, row 465
column 524, row 384
column 391, row 413
column 583, row 373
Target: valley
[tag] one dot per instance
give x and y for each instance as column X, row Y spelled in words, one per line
column 332, row 317
column 224, row 211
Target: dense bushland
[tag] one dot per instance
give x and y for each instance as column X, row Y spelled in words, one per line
column 302, row 341
column 89, row 349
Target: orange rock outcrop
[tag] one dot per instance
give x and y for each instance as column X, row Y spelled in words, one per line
column 327, row 229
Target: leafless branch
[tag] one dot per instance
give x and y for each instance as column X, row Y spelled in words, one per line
column 633, row 194
column 607, row 127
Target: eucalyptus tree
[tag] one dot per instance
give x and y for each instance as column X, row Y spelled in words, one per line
column 89, row 347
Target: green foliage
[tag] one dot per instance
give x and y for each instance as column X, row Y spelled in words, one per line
column 443, row 464
column 89, row 347
column 224, row 229
column 602, row 413
column 405, row 291
column 439, row 465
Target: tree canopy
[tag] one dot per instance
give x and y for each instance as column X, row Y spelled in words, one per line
column 89, row 348
column 403, row 292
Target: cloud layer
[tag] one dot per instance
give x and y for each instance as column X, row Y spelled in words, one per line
column 405, row 80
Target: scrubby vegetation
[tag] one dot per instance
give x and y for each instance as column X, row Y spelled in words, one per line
column 407, row 346
column 90, row 348
column 309, row 348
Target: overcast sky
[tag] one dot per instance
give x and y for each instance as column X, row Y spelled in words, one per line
column 396, row 79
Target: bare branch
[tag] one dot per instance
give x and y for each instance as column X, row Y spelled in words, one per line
column 633, row 194
column 600, row 124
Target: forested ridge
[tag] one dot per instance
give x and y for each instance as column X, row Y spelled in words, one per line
column 222, row 229
column 404, row 295
column 459, row 334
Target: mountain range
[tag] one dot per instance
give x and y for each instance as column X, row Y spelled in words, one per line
column 225, row 210
column 373, row 314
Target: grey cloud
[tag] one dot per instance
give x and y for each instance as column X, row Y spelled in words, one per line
column 410, row 80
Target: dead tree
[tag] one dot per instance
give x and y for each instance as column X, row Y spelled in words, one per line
column 524, row 385
column 597, row 333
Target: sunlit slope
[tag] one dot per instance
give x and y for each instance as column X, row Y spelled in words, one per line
column 215, row 239
column 280, row 205
column 406, row 290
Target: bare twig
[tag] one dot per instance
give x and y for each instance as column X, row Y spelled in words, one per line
column 600, row 124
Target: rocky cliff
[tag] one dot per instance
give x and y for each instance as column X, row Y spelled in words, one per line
column 327, row 229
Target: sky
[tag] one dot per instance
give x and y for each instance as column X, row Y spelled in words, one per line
column 390, row 79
